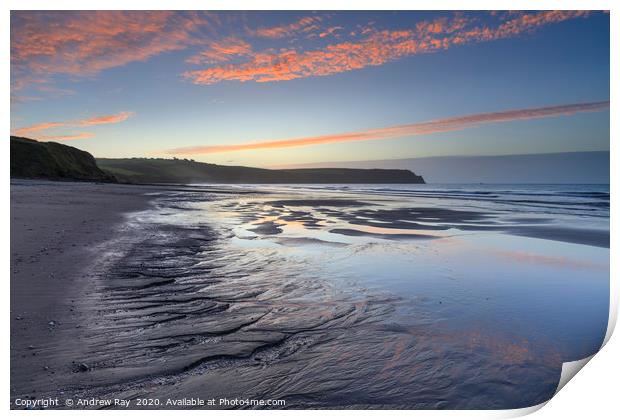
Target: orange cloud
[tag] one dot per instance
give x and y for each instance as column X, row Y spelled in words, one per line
column 37, row 128
column 20, row 84
column 376, row 48
column 24, row 131
column 303, row 25
column 329, row 31
column 38, row 84
column 78, row 136
column 84, row 43
column 416, row 129
column 106, row 119
column 220, row 51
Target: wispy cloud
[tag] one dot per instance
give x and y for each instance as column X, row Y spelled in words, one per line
column 330, row 31
column 374, row 48
column 25, row 81
column 36, row 129
column 303, row 25
column 408, row 130
column 221, row 51
column 105, row 119
column 24, row 131
column 79, row 136
column 83, row 43
column 18, row 99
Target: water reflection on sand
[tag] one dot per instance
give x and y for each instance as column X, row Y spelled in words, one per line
column 508, row 308
column 357, row 300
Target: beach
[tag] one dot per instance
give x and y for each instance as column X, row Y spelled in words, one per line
column 55, row 229
column 323, row 297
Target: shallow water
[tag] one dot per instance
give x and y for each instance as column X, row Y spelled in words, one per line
column 356, row 296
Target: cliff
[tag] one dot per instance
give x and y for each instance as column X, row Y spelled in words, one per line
column 49, row 160
column 55, row 161
column 139, row 170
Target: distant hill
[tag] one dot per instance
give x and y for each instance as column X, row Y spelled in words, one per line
column 49, row 160
column 540, row 168
column 141, row 170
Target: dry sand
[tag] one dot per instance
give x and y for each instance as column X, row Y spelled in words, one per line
column 54, row 226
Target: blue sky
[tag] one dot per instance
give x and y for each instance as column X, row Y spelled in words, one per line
column 210, row 86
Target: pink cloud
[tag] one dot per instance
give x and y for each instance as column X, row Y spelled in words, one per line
column 79, row 136
column 220, row 51
column 105, row 119
column 83, row 43
column 330, row 31
column 376, row 48
column 304, row 25
column 38, row 128
column 407, row 130
column 24, row 131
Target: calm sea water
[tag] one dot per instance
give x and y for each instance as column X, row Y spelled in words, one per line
column 558, row 199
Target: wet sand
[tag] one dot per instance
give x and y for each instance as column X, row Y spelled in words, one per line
column 59, row 231
column 186, row 292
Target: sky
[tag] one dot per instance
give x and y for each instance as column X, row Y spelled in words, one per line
column 280, row 89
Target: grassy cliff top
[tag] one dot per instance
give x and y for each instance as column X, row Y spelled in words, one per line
column 143, row 170
column 49, row 160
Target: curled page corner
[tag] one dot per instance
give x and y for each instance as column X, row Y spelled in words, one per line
column 613, row 313
column 569, row 370
column 520, row 412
